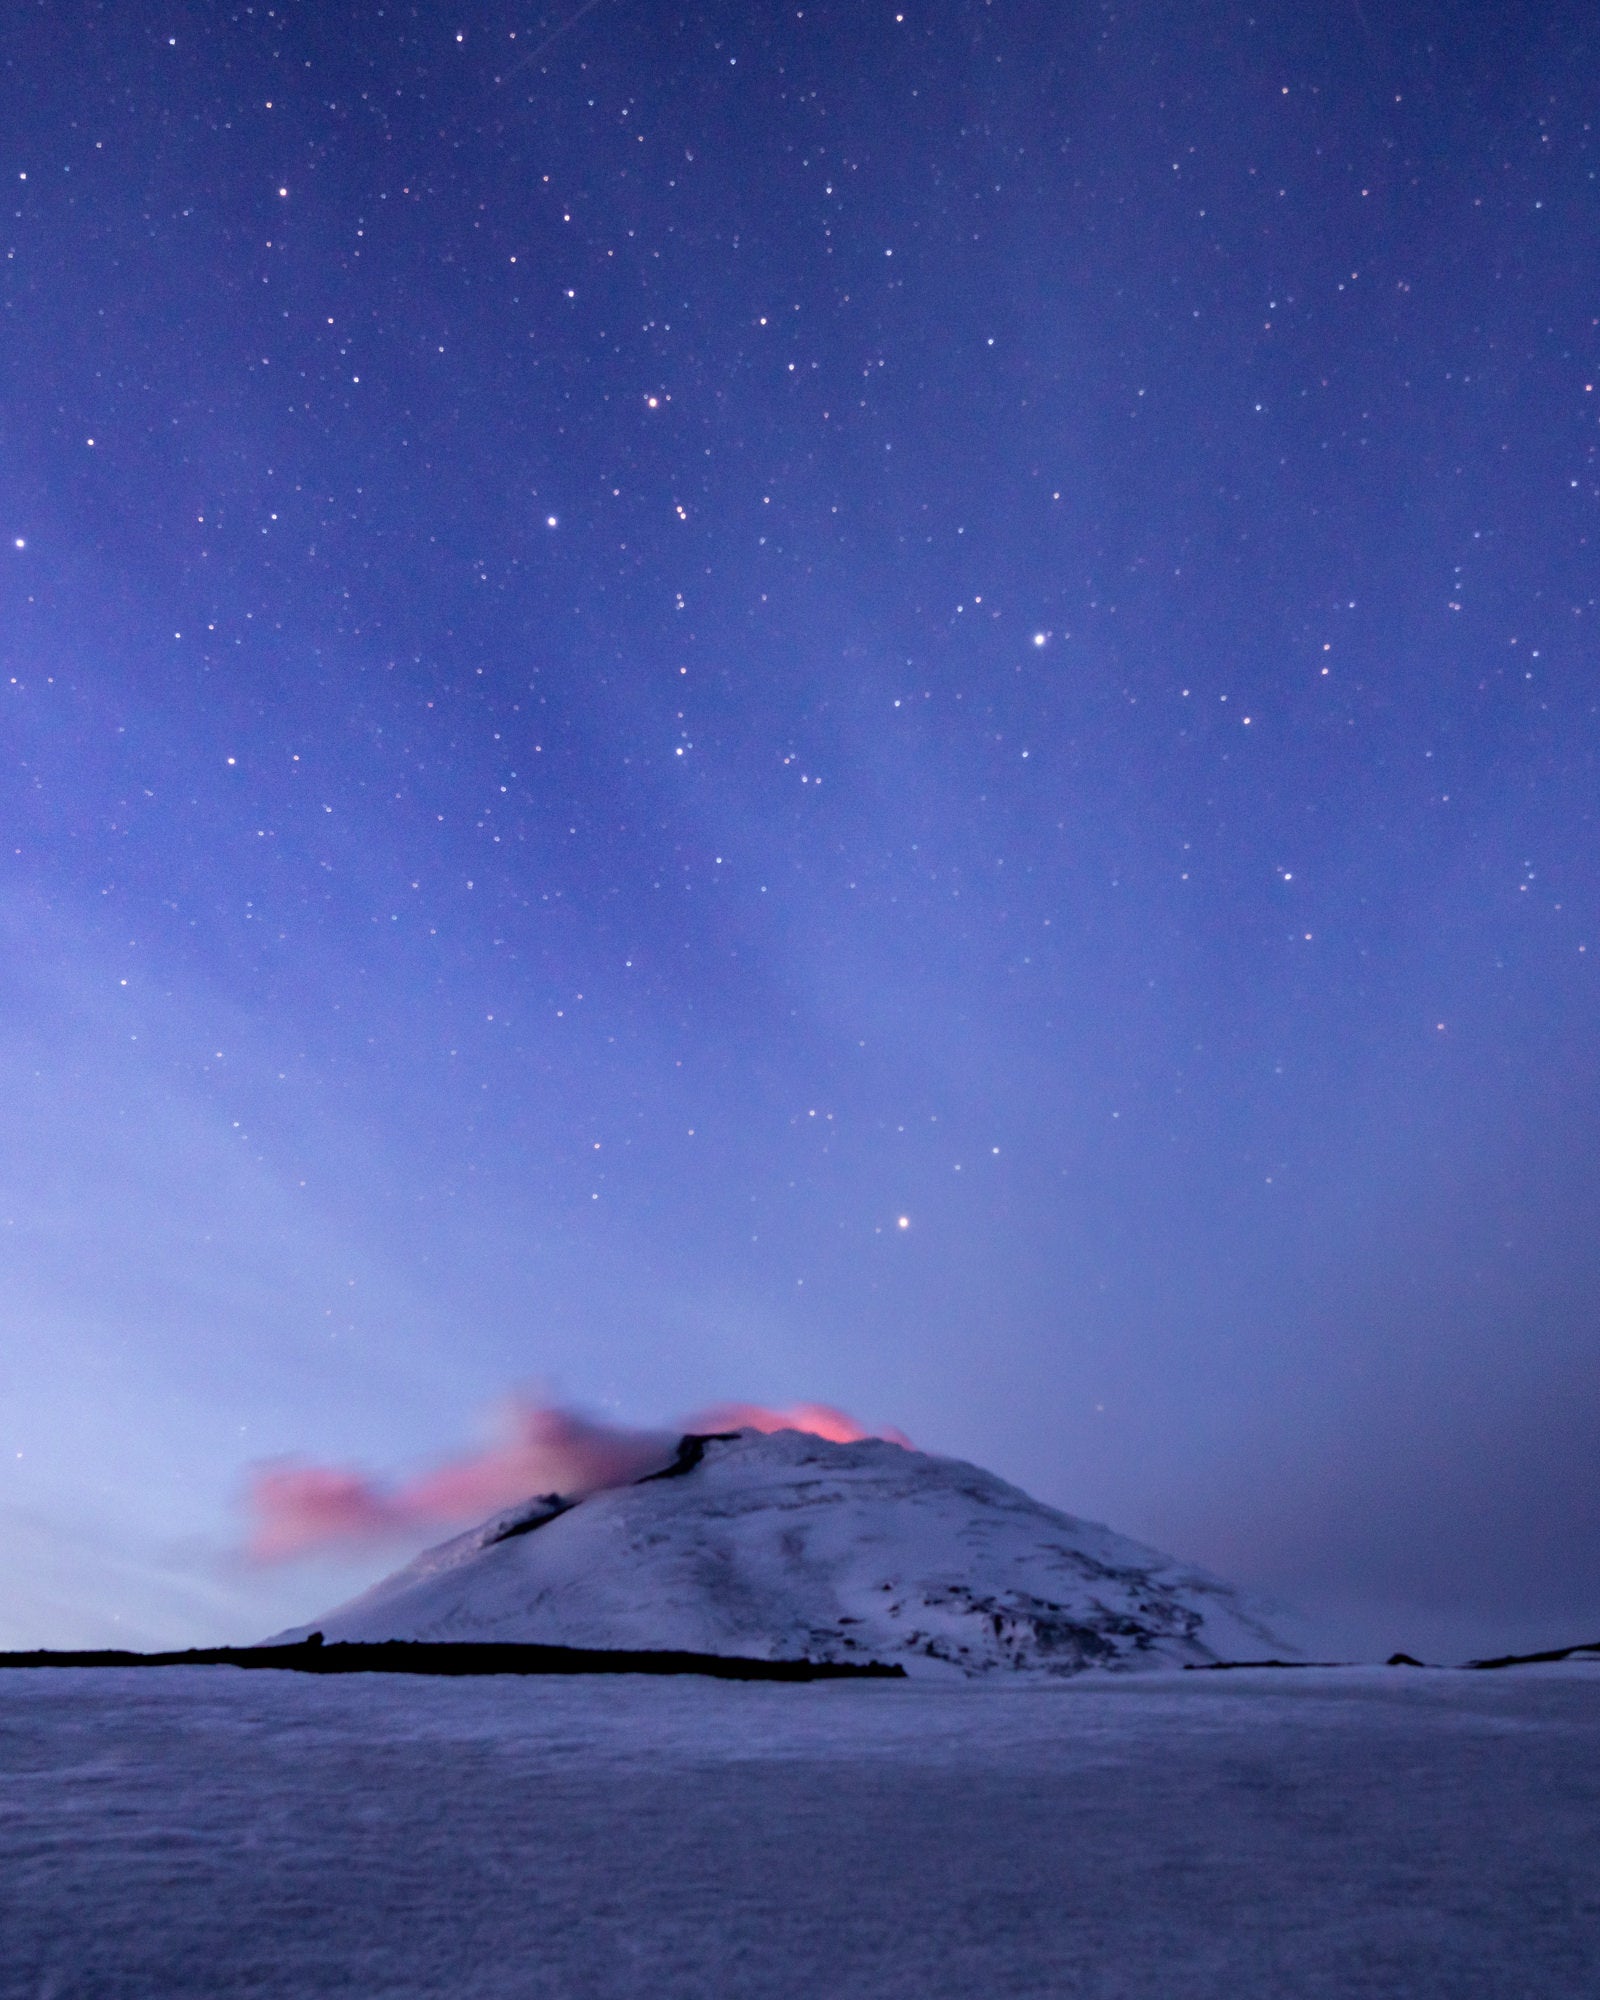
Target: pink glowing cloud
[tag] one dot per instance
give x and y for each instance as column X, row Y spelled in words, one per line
column 301, row 1507
column 546, row 1450
column 296, row 1509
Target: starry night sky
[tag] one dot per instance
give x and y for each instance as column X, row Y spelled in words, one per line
column 636, row 642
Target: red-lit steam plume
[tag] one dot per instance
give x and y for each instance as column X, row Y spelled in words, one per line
column 820, row 1419
column 296, row 1509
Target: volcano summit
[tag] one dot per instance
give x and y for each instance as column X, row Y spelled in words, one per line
column 787, row 1546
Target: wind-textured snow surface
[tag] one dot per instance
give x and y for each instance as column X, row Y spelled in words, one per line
column 1364, row 1833
column 786, row 1546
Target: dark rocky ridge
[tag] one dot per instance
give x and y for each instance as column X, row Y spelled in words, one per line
column 408, row 1656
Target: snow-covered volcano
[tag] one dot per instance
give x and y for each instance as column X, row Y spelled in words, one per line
column 787, row 1546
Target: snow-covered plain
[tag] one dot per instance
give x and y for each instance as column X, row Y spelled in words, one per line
column 1218, row 1836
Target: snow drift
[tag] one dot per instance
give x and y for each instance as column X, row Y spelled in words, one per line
column 790, row 1546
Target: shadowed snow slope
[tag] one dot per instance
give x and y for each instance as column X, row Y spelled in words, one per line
column 785, row 1546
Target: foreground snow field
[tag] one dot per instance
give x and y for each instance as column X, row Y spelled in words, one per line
column 1364, row 1831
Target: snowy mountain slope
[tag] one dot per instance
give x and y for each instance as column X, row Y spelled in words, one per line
column 785, row 1545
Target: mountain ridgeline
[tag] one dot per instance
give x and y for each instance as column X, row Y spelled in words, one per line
column 787, row 1547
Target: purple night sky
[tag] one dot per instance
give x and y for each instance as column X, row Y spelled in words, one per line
column 894, row 704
